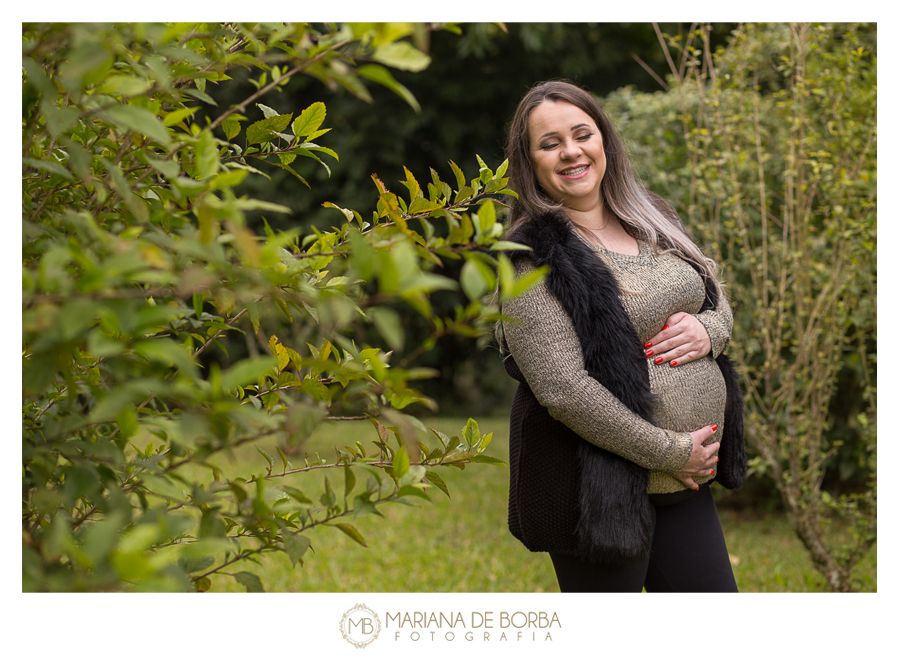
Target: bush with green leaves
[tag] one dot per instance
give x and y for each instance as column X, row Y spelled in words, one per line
column 137, row 261
column 768, row 147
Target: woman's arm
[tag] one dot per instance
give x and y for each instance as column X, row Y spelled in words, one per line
column 548, row 352
column 718, row 323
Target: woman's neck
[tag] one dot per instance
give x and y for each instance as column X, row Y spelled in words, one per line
column 605, row 230
column 596, row 218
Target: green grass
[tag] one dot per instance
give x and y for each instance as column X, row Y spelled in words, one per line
column 462, row 544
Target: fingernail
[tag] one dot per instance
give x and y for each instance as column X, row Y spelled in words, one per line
column 717, row 459
column 712, row 472
column 714, row 427
column 666, row 327
column 649, row 352
column 658, row 359
column 673, row 363
column 697, row 489
column 647, row 344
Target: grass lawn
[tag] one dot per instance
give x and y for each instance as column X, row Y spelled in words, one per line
column 462, row 544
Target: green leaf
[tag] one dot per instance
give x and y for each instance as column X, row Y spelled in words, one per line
column 389, row 325
column 436, row 480
column 486, row 215
column 195, row 564
column 267, row 111
column 84, row 65
column 471, row 433
column 464, row 193
column 309, row 120
column 202, row 96
column 48, row 166
column 401, row 55
column 264, row 131
column 167, row 352
column 249, row 580
column 257, row 204
column 382, row 76
column 232, row 126
column 472, row 281
column 305, row 147
column 131, row 117
column 460, row 177
column 167, row 168
column 351, row 532
column 485, row 459
column 267, row 456
column 412, row 490
column 486, row 441
column 59, row 119
column 401, row 462
column 179, row 115
column 423, row 205
column 284, row 459
column 253, row 312
column 443, row 437
column 291, row 171
column 295, row 545
column 127, row 421
column 163, row 486
column 527, row 281
column 349, row 480
column 362, row 505
column 206, row 154
column 247, row 371
column 503, row 245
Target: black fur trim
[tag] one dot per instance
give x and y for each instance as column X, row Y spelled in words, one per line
column 615, row 516
column 732, row 468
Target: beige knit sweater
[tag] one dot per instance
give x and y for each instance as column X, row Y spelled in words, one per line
column 689, row 396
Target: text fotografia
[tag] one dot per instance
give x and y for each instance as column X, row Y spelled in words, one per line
column 480, row 626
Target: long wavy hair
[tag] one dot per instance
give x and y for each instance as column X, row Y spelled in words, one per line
column 648, row 215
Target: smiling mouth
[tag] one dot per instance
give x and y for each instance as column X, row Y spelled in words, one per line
column 574, row 171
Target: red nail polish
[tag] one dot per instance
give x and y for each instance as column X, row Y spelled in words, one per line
column 714, row 427
column 649, row 352
column 647, row 344
column 673, row 363
column 697, row 489
column 666, row 327
column 658, row 359
column 712, row 472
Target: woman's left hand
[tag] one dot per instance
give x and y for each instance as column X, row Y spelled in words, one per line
column 682, row 340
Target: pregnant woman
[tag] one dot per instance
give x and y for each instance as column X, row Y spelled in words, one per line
column 627, row 408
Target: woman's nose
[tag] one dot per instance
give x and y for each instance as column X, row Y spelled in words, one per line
column 569, row 149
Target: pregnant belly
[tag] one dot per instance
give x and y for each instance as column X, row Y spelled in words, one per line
column 688, row 396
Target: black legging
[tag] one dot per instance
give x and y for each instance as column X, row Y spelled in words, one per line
column 688, row 554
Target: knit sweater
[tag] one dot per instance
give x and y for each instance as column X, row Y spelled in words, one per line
column 546, row 348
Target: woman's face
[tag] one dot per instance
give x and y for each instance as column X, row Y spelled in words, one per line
column 567, row 154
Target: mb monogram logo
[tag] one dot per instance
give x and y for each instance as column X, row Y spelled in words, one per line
column 360, row 626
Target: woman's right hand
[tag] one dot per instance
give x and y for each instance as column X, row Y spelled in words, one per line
column 703, row 458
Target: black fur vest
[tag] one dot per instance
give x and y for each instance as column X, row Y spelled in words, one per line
column 567, row 495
